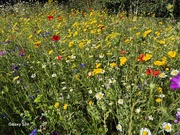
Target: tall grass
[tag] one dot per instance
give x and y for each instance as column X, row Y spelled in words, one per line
column 87, row 73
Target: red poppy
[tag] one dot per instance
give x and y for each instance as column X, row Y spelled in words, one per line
column 122, row 52
column 73, row 15
column 59, row 17
column 50, row 17
column 89, row 8
column 102, row 27
column 152, row 72
column 59, row 57
column 140, row 58
column 56, row 38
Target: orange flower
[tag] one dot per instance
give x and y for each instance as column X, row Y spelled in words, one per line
column 152, row 72
column 122, row 52
column 140, row 58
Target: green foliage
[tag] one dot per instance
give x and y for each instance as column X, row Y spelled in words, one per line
column 91, row 79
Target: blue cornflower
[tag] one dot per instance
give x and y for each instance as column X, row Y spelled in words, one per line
column 33, row 132
column 82, row 65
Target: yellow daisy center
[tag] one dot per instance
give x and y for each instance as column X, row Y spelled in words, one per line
column 167, row 127
column 100, row 95
column 144, row 133
column 174, row 72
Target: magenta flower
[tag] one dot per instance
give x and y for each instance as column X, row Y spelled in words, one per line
column 175, row 82
column 2, row 53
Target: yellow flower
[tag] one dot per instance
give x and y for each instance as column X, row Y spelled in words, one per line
column 71, row 43
column 98, row 65
column 158, row 100
column 146, row 33
column 81, row 45
column 65, row 106
column 161, row 63
column 77, row 77
column 172, row 54
column 157, row 33
column 30, row 36
column 122, row 61
column 138, row 33
column 113, row 64
column 147, row 57
column 159, row 89
column 15, row 78
column 75, row 33
column 29, row 56
column 97, row 71
column 56, row 105
column 39, row 31
column 50, row 52
column 90, row 103
column 162, row 42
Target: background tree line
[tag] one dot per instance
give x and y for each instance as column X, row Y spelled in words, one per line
column 146, row 7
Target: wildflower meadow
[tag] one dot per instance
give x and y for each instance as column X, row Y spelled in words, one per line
column 88, row 73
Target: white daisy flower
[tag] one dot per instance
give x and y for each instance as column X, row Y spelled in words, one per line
column 43, row 66
column 103, row 72
column 138, row 110
column 63, row 88
column 167, row 127
column 101, row 56
column 54, row 75
column 174, row 72
column 73, row 57
column 33, row 75
column 150, row 117
column 145, row 131
column 162, row 75
column 90, row 91
column 178, row 110
column 120, row 101
column 99, row 95
column 119, row 127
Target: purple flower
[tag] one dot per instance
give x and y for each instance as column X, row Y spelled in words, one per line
column 82, row 65
column 31, row 97
column 2, row 53
column 176, row 121
column 15, row 67
column 175, row 82
column 40, row 118
column 7, row 42
column 178, row 115
column 3, row 115
column 21, row 52
column 55, row 133
column 33, row 132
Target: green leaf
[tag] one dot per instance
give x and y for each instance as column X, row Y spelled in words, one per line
column 38, row 99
